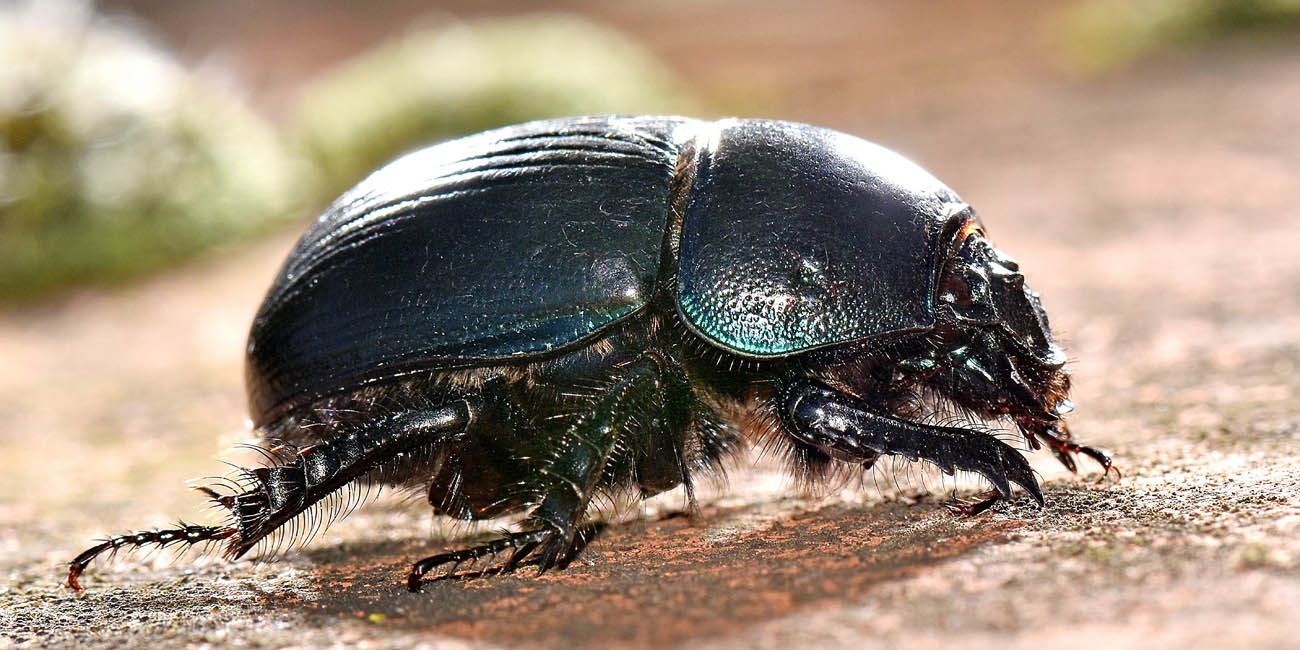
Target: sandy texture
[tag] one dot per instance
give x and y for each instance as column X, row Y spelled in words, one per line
column 1154, row 211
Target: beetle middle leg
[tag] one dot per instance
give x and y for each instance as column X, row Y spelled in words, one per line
column 978, row 506
column 572, row 471
column 849, row 429
column 520, row 544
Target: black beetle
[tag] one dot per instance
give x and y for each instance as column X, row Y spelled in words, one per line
column 519, row 320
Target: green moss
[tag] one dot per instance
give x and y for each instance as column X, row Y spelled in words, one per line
column 1104, row 34
column 433, row 84
column 1252, row 555
column 115, row 161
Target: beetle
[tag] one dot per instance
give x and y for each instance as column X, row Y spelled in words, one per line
column 518, row 321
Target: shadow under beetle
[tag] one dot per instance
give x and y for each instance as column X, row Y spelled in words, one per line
column 522, row 319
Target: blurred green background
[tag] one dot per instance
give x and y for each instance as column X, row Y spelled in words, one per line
column 138, row 134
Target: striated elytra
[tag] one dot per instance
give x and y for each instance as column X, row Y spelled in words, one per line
column 518, row 321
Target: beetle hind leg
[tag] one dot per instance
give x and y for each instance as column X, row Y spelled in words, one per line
column 182, row 534
column 277, row 494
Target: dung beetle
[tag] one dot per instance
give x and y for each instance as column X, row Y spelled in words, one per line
column 518, row 321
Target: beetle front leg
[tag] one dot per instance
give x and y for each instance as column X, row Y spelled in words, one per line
column 1058, row 438
column 847, row 428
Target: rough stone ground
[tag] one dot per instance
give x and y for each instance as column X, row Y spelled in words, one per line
column 1156, row 213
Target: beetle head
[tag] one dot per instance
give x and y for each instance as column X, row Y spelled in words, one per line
column 994, row 346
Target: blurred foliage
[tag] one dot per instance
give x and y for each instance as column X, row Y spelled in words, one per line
column 1103, row 34
column 114, row 160
column 464, row 77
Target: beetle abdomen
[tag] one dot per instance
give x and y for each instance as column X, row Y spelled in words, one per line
column 508, row 243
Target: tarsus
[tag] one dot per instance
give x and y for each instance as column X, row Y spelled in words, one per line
column 281, row 492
